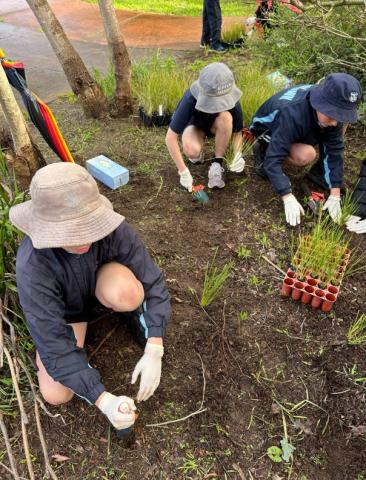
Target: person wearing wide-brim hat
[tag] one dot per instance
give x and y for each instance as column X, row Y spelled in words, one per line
column 209, row 108
column 291, row 123
column 78, row 253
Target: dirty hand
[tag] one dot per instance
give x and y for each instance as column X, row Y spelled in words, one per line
column 149, row 366
column 120, row 411
column 186, row 179
column 293, row 210
column 333, row 205
column 238, row 164
column 355, row 225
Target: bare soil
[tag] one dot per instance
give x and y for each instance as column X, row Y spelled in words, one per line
column 284, row 353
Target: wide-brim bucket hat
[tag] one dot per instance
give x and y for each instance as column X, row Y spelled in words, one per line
column 66, row 208
column 337, row 97
column 215, row 90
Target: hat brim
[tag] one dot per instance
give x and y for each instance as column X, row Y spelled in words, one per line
column 210, row 104
column 320, row 103
column 68, row 233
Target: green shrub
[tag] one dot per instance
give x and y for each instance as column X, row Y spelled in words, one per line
column 309, row 46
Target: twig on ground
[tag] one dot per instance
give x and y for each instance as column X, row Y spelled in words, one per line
column 49, row 469
column 157, row 193
column 8, row 470
column 109, row 334
column 197, row 412
column 23, row 415
column 273, row 264
column 4, row 431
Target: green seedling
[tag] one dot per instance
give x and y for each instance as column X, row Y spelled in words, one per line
column 255, row 281
column 275, row 454
column 214, row 281
column 356, row 334
column 243, row 252
column 243, row 315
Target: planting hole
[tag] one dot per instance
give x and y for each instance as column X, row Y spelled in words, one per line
column 312, row 282
column 333, row 290
column 299, row 285
column 309, row 289
column 289, row 282
column 319, row 293
column 291, row 274
column 330, row 297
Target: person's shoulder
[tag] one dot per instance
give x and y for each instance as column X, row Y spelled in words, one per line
column 29, row 257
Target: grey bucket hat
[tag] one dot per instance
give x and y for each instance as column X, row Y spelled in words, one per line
column 66, row 208
column 215, row 90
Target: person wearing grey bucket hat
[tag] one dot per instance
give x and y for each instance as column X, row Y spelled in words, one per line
column 289, row 126
column 209, row 108
column 78, row 255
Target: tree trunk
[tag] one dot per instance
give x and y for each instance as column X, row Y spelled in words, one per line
column 121, row 60
column 26, row 160
column 82, row 84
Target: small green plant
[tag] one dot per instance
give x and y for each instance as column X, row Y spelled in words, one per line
column 255, row 281
column 243, row 252
column 233, row 32
column 356, row 334
column 243, row 315
column 106, row 82
column 214, row 281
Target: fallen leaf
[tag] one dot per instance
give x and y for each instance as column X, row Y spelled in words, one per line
column 60, row 458
column 277, row 477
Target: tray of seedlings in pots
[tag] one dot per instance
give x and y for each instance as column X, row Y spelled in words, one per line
column 318, row 266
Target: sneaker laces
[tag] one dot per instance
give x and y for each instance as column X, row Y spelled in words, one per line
column 216, row 170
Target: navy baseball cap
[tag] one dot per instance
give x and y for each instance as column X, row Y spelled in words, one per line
column 337, row 97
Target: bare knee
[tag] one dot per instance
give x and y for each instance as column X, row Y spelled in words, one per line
column 302, row 155
column 224, row 122
column 57, row 395
column 118, row 288
column 192, row 149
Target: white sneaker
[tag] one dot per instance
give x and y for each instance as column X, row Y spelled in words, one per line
column 199, row 159
column 215, row 176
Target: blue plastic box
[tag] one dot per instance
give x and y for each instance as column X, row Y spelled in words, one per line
column 107, row 171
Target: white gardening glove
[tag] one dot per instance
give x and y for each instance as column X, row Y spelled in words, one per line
column 333, row 205
column 238, row 164
column 120, row 411
column 293, row 210
column 149, row 366
column 186, row 179
column 355, row 225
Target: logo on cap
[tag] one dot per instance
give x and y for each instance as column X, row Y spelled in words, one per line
column 353, row 97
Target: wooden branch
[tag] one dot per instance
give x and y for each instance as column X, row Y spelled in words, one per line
column 23, row 415
column 109, row 334
column 4, row 431
column 49, row 469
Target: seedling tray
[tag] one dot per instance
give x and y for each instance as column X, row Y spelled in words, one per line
column 309, row 291
column 154, row 120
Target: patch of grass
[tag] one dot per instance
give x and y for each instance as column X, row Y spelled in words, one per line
column 233, row 32
column 159, row 81
column 243, row 315
column 84, row 137
column 255, row 281
column 106, row 82
column 184, row 7
column 214, row 281
column 356, row 334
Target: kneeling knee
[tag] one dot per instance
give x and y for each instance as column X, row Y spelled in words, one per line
column 57, row 396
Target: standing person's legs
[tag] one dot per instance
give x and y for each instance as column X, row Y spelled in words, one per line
column 206, row 33
column 54, row 392
column 192, row 142
column 212, row 8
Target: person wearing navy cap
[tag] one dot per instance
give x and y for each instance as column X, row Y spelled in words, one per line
column 292, row 122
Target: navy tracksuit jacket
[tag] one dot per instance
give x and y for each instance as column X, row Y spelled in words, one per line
column 56, row 288
column 288, row 117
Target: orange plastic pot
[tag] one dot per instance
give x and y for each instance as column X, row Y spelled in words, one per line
column 328, row 302
column 287, row 287
column 317, row 298
column 307, row 295
column 297, row 290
